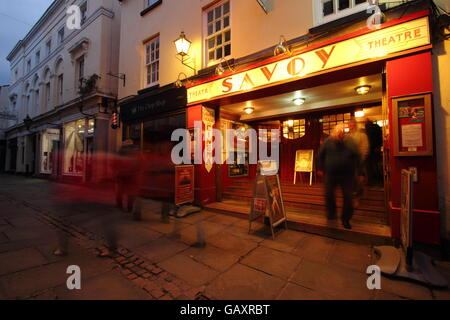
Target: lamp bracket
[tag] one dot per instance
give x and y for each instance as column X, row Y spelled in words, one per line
column 185, row 60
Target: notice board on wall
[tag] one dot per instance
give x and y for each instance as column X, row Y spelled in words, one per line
column 413, row 125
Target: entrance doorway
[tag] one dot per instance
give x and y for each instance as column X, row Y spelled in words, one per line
column 304, row 128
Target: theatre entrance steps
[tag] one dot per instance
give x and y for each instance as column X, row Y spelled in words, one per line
column 305, row 208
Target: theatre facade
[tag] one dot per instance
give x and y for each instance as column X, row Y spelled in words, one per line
column 380, row 77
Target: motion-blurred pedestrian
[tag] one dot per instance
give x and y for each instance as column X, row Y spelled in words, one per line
column 339, row 161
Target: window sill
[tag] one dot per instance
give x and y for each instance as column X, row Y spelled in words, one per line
column 150, row 8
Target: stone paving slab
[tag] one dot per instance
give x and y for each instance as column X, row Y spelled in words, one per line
column 286, row 240
column 185, row 268
column 232, row 243
column 334, row 281
column 244, row 283
column 106, row 286
column 213, row 257
column 405, row 289
column 20, row 260
column 296, row 292
column 350, row 255
column 314, row 248
column 276, row 263
column 160, row 249
column 24, row 283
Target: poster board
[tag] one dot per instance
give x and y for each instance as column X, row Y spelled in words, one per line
column 406, row 212
column 268, row 201
column 184, row 184
column 276, row 210
column 413, row 125
column 304, row 162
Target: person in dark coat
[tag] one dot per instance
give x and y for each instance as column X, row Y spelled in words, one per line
column 340, row 162
column 375, row 158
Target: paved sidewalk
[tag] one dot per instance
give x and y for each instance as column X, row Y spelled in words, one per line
column 157, row 260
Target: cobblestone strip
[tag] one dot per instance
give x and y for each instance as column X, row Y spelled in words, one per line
column 148, row 276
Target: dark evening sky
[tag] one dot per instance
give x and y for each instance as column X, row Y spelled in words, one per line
column 16, row 19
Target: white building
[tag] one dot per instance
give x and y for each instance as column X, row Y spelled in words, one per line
column 62, row 128
column 6, row 117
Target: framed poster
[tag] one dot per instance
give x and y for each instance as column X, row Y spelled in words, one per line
column 413, row 125
column 184, row 184
column 304, row 162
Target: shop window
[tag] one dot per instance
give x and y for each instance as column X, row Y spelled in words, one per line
column 48, row 139
column 218, row 33
column 330, row 121
column 91, row 127
column 294, row 129
column 152, row 62
column 74, row 133
column 132, row 131
column 329, row 10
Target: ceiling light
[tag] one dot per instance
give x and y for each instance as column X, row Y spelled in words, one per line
column 299, row 101
column 363, row 89
column 359, row 114
column 249, row 109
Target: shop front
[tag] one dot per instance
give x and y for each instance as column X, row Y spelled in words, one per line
column 376, row 81
column 149, row 120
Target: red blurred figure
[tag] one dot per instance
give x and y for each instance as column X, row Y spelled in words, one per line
column 128, row 170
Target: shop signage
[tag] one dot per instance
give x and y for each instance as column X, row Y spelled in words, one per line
column 376, row 44
column 184, row 184
column 147, row 105
column 53, row 134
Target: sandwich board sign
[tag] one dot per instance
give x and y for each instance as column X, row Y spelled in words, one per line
column 268, row 201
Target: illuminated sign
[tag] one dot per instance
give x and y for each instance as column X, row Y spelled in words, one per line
column 377, row 44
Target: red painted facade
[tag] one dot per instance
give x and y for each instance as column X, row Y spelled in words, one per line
column 405, row 75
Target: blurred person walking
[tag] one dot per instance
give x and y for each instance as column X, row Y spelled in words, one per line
column 128, row 176
column 361, row 141
column 339, row 161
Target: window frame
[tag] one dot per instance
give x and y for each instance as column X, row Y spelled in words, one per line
column 155, row 61
column 28, row 65
column 37, row 57
column 48, row 47
column 223, row 30
column 320, row 19
column 84, row 13
column 60, row 88
column 61, row 39
column 80, row 70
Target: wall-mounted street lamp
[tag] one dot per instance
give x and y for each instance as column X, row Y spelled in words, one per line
column 183, row 45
